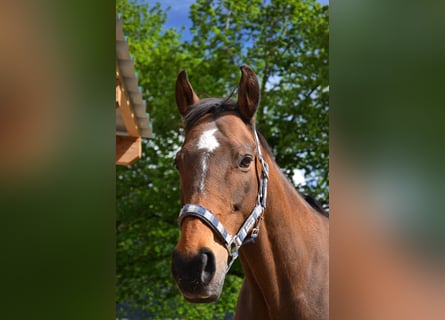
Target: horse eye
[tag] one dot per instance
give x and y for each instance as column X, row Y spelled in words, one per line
column 245, row 162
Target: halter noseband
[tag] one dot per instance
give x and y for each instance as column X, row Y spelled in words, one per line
column 233, row 243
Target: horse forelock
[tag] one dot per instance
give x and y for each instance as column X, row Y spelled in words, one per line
column 214, row 106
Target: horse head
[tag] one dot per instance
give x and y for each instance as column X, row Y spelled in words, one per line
column 221, row 169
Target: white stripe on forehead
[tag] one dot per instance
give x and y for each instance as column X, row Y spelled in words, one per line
column 208, row 141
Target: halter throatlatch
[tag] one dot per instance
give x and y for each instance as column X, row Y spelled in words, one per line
column 252, row 223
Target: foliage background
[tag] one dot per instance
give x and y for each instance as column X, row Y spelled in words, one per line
column 286, row 43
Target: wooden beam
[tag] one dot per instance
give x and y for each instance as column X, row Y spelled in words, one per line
column 125, row 107
column 127, row 112
column 128, row 150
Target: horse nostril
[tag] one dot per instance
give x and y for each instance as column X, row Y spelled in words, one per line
column 193, row 272
column 208, row 265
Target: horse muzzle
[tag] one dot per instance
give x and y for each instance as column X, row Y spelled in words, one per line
column 195, row 276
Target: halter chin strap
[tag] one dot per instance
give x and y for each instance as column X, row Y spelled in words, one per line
column 233, row 243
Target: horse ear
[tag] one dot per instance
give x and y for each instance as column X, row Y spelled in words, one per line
column 185, row 96
column 248, row 93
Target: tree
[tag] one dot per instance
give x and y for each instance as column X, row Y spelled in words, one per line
column 286, row 44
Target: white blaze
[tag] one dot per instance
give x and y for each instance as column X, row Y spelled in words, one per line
column 209, row 143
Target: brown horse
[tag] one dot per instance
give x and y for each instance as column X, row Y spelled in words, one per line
column 226, row 171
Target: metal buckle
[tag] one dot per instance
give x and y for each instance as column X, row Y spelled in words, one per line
column 234, row 245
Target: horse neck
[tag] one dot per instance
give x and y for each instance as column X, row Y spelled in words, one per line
column 276, row 265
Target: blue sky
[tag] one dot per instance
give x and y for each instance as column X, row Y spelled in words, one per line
column 178, row 14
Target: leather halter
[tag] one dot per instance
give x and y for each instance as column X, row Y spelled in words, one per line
column 233, row 243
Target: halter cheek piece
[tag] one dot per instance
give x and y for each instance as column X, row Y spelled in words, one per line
column 233, row 243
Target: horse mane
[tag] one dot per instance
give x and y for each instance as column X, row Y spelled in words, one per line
column 315, row 204
column 216, row 106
